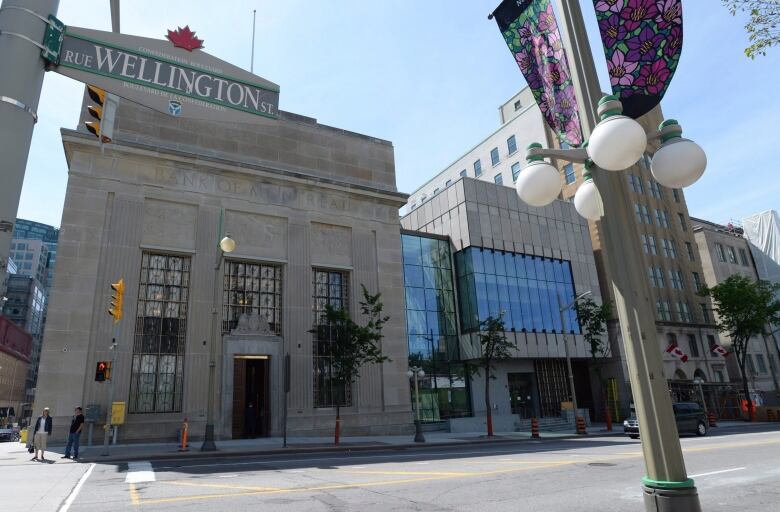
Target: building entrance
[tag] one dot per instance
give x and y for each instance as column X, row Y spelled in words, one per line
column 251, row 404
column 522, row 394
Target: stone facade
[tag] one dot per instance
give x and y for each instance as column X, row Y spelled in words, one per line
column 291, row 192
column 724, row 252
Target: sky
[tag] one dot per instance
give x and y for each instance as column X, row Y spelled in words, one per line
column 429, row 76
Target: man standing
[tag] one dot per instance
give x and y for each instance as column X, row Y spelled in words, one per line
column 42, row 431
column 76, row 424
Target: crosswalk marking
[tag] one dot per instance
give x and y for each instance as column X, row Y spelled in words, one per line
column 138, row 472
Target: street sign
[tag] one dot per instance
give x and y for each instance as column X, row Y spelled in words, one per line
column 174, row 80
column 117, row 413
column 92, row 413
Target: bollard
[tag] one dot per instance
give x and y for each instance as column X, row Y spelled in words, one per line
column 711, row 419
column 770, row 415
column 609, row 419
column 184, row 428
column 581, row 426
column 534, row 428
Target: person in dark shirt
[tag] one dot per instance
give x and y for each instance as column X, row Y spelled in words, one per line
column 76, row 425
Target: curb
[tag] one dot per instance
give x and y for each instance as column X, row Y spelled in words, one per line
column 197, row 455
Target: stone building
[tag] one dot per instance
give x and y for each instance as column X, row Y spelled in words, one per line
column 724, row 251
column 314, row 214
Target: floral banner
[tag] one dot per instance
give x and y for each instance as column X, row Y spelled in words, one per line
column 531, row 32
column 642, row 42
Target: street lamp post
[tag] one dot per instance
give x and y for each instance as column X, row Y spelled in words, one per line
column 561, row 309
column 226, row 245
column 615, row 142
column 417, row 373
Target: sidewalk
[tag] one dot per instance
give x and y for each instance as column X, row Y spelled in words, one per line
column 274, row 445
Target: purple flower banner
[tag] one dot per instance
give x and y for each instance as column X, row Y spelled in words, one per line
column 642, row 43
column 531, row 32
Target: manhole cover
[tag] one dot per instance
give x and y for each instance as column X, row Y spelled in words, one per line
column 602, row 464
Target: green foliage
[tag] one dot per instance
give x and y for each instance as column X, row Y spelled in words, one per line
column 494, row 344
column 762, row 27
column 593, row 319
column 353, row 345
column 744, row 307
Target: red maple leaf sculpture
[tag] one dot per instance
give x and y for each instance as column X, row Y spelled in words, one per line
column 184, row 38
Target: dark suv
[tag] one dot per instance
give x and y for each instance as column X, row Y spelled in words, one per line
column 689, row 416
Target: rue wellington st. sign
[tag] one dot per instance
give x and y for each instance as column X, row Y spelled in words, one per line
column 174, row 77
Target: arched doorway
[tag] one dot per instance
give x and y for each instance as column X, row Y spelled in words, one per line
column 699, row 374
column 680, row 375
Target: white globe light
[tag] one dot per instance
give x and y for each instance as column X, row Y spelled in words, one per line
column 617, row 143
column 421, row 374
column 227, row 244
column 539, row 184
column 678, row 163
column 587, row 201
column 409, row 374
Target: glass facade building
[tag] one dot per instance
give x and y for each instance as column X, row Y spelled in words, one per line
column 525, row 288
column 432, row 327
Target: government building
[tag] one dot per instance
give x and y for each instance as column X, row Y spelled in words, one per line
column 313, row 211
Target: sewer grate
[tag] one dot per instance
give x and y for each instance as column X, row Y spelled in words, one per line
column 602, row 464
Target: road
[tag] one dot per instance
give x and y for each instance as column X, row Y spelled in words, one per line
column 733, row 470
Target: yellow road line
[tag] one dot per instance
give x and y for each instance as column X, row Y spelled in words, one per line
column 406, row 473
column 134, row 498
column 222, row 486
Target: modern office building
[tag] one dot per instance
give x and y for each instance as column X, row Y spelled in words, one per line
column 313, row 211
column 32, row 258
column 26, row 306
column 28, row 230
column 671, row 262
column 724, row 251
column 473, row 251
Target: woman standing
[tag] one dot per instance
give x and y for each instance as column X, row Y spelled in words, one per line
column 42, row 430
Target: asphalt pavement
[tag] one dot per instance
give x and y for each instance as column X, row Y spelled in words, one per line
column 735, row 468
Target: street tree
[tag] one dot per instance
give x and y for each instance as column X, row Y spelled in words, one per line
column 763, row 27
column 494, row 347
column 593, row 319
column 744, row 307
column 350, row 346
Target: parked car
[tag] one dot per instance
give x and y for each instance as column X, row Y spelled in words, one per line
column 8, row 434
column 689, row 416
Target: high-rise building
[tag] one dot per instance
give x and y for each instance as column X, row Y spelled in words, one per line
column 670, row 259
column 724, row 251
column 42, row 255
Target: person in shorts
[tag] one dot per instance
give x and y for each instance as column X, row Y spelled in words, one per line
column 42, row 431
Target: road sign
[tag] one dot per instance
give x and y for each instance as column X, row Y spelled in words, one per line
column 117, row 413
column 173, row 80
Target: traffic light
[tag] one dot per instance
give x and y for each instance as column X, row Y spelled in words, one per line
column 103, row 127
column 117, row 299
column 103, row 371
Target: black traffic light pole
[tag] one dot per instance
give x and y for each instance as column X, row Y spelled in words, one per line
column 107, row 426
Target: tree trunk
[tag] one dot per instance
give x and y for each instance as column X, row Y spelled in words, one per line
column 338, row 425
column 488, row 408
column 751, row 413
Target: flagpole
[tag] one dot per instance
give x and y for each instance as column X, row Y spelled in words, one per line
column 252, row 64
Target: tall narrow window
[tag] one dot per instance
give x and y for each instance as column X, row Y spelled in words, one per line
column 251, row 288
column 743, row 257
column 156, row 377
column 655, row 188
column 511, row 144
column 721, row 253
column 498, row 179
column 732, row 254
column 478, row 168
column 683, row 225
column 515, row 170
column 676, row 194
column 463, row 173
column 330, row 288
column 705, row 313
column 697, row 281
column 494, row 156
column 693, row 344
column 568, row 172
column 689, row 248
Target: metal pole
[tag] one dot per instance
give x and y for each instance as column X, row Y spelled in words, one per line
column 21, row 30
column 418, row 434
column 208, row 437
column 252, row 64
column 561, row 309
column 666, row 476
column 286, row 392
column 107, row 426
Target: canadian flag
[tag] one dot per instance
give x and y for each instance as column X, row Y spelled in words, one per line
column 717, row 349
column 675, row 351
